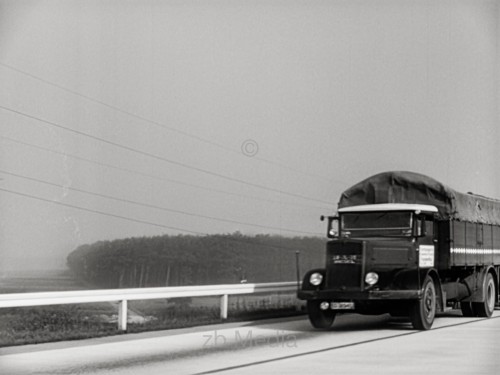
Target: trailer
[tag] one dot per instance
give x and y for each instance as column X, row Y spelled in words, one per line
column 405, row 244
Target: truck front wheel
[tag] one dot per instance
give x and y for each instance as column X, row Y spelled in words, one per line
column 319, row 318
column 423, row 311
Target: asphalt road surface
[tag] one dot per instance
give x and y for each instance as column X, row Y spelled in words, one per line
column 356, row 345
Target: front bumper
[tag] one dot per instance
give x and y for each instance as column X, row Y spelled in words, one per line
column 359, row 295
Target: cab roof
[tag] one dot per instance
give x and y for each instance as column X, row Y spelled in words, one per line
column 390, row 207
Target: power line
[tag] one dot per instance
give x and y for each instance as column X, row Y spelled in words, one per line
column 152, row 206
column 137, row 220
column 100, row 212
column 115, row 108
column 138, row 173
column 161, row 125
column 157, row 157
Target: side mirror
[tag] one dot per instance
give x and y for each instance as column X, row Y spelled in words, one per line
column 420, row 227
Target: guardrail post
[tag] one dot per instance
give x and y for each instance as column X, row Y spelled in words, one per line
column 122, row 315
column 223, row 306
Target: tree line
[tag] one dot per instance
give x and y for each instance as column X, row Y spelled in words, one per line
column 194, row 260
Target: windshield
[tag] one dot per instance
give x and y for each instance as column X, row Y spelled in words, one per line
column 359, row 224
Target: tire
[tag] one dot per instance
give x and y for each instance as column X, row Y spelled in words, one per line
column 423, row 311
column 485, row 309
column 321, row 319
column 468, row 309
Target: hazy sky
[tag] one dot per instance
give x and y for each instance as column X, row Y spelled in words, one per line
column 131, row 118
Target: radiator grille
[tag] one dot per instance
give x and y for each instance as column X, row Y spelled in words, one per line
column 344, row 265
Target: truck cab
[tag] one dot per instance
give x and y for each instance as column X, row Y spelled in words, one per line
column 374, row 262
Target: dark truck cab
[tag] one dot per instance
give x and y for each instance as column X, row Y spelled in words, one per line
column 392, row 251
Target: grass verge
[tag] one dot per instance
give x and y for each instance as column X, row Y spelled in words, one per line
column 32, row 325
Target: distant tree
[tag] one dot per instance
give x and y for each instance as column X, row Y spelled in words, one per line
column 193, row 260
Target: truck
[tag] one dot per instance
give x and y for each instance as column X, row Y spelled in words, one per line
column 405, row 244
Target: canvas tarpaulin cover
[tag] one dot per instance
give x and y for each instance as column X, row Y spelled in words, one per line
column 409, row 187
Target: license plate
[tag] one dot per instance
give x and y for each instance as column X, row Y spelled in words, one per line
column 342, row 305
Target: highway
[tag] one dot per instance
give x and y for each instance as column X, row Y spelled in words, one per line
column 356, row 345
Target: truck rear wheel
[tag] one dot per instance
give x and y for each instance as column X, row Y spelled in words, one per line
column 423, row 311
column 319, row 318
column 485, row 309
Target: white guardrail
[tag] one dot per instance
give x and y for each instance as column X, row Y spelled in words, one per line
column 124, row 295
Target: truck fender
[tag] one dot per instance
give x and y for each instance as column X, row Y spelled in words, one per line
column 413, row 280
column 440, row 294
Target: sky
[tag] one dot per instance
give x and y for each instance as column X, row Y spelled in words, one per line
column 141, row 118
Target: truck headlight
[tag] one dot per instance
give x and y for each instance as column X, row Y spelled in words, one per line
column 371, row 278
column 316, row 278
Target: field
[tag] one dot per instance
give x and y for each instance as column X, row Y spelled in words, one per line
column 29, row 325
column 39, row 281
